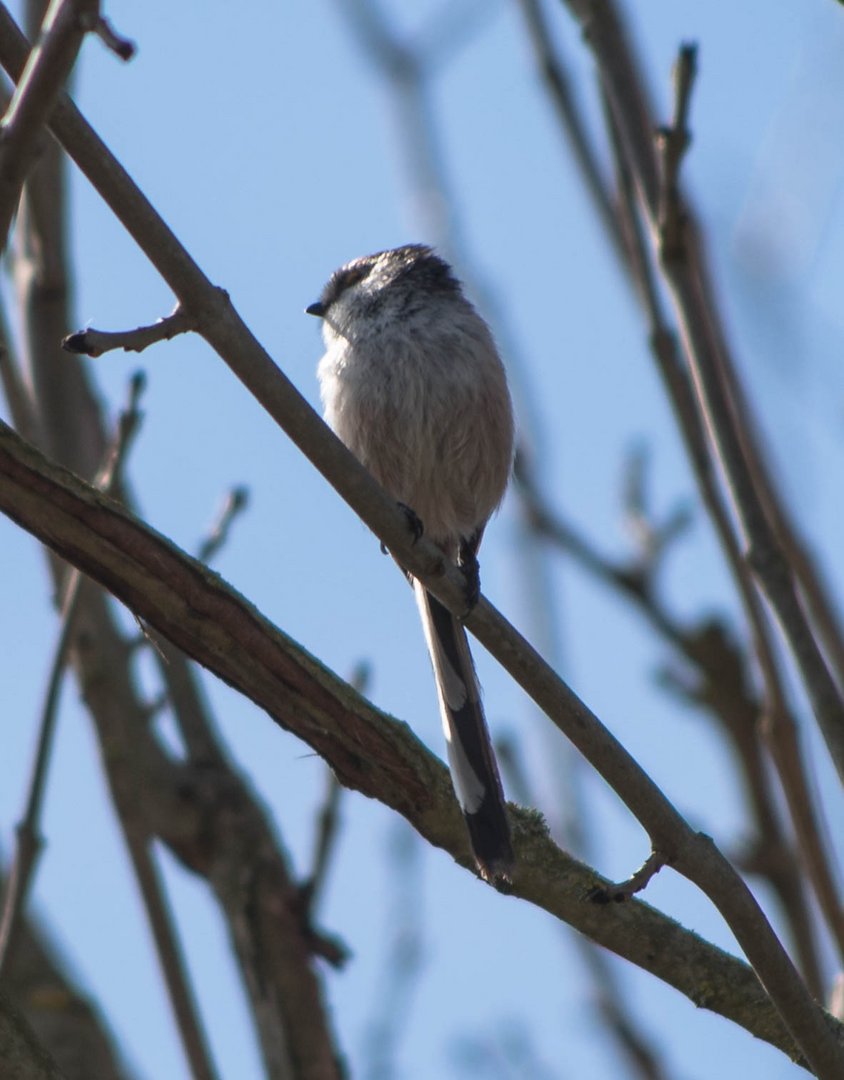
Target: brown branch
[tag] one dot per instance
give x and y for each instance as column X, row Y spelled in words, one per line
column 577, row 132
column 693, row 855
column 15, row 389
column 777, row 723
column 121, row 46
column 66, row 1021
column 639, row 880
column 233, row 506
column 765, row 556
column 92, row 342
column 40, row 84
column 274, row 952
column 383, row 759
column 30, row 843
column 691, row 293
column 168, row 948
column 775, row 720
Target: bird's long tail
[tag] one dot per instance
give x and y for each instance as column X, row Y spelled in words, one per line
column 474, row 770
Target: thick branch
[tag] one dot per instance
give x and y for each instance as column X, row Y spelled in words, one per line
column 367, row 750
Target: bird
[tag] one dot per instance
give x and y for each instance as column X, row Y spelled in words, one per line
column 412, row 382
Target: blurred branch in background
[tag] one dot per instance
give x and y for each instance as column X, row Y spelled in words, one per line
column 67, row 1023
column 654, row 165
column 771, row 719
column 30, row 842
column 406, row 953
column 199, row 805
column 47, row 69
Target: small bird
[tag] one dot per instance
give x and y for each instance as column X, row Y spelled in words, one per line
column 412, row 383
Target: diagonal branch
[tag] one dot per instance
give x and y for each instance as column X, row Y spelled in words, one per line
column 692, row 854
column 47, row 69
column 704, row 345
column 29, row 840
column 369, row 751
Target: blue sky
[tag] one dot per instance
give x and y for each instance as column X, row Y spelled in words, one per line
column 270, row 145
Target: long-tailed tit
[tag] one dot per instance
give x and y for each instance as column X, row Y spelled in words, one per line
column 412, row 383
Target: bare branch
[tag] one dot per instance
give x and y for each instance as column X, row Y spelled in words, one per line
column 776, row 721
column 691, row 292
column 92, row 342
column 41, row 82
column 637, row 881
column 720, row 683
column 328, row 819
column 235, row 503
column 577, row 132
column 119, row 45
column 672, row 142
column 693, row 855
column 30, row 843
column 244, row 865
column 383, row 759
column 75, row 1034
column 15, row 390
column 169, row 951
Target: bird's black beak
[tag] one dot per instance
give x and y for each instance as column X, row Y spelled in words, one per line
column 317, row 308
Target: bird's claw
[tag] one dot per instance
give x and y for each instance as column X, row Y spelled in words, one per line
column 414, row 522
column 468, row 562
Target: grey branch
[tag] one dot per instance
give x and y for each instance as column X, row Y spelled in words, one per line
column 119, row 45
column 368, row 750
column 705, row 347
column 41, row 82
column 233, row 506
column 29, row 840
column 96, row 342
column 693, row 855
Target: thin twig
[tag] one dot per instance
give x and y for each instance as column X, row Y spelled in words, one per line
column 577, row 132
column 30, row 842
column 638, row 880
column 328, row 819
column 407, row 70
column 17, row 394
column 275, row 959
column 233, row 506
column 169, row 953
column 119, row 45
column 92, row 342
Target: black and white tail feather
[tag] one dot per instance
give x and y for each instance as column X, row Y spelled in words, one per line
column 471, row 759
